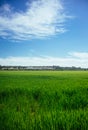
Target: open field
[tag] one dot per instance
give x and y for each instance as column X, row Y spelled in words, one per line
column 43, row 100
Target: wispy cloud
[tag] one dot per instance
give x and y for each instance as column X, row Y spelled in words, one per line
column 42, row 18
column 69, row 60
column 80, row 55
column 5, row 8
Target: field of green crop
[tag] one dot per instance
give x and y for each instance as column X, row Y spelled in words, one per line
column 43, row 100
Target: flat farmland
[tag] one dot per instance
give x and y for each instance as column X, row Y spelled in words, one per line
column 43, row 100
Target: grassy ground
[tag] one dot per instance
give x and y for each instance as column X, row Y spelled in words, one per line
column 43, row 100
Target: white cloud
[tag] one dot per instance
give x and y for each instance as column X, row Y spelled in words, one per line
column 42, row 18
column 81, row 55
column 47, row 60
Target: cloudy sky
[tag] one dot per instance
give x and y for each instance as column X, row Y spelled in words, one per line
column 44, row 32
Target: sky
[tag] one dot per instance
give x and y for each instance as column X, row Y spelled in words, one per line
column 44, row 32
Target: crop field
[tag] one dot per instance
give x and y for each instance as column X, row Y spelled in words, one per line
column 43, row 100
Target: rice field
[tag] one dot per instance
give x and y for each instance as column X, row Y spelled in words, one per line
column 43, row 100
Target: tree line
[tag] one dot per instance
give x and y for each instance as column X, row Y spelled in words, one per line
column 59, row 68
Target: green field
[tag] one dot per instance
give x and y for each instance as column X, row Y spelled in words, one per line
column 43, row 100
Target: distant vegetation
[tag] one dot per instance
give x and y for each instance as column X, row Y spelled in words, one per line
column 43, row 100
column 41, row 68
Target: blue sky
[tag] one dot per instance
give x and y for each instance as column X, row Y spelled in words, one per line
column 44, row 32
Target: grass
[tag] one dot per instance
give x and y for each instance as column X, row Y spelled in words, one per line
column 43, row 100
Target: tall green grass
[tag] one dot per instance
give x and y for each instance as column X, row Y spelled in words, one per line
column 43, row 100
